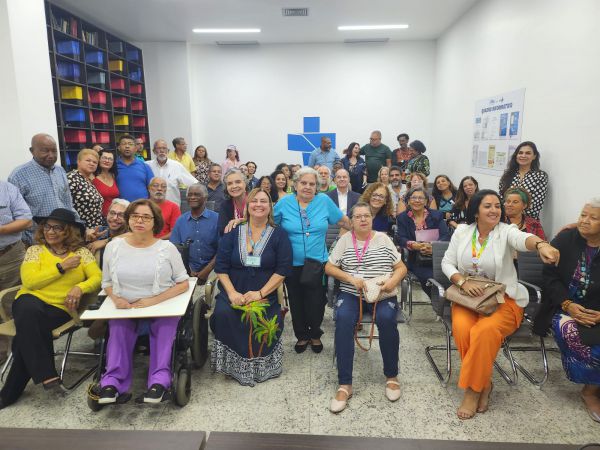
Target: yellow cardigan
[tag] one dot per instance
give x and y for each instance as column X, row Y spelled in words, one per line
column 41, row 278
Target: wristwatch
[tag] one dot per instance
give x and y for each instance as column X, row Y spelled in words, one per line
column 461, row 282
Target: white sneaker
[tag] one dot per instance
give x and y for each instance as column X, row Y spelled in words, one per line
column 392, row 394
column 337, row 406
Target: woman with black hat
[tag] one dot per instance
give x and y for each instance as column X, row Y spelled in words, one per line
column 419, row 162
column 56, row 272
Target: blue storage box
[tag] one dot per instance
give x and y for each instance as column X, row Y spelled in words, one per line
column 68, row 71
column 133, row 55
column 136, row 75
column 74, row 115
column 96, row 58
column 68, row 48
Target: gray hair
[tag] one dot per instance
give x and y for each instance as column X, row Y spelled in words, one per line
column 119, row 201
column 377, row 132
column 357, row 205
column 232, row 171
column 306, row 171
column 341, row 170
column 200, row 186
column 594, row 202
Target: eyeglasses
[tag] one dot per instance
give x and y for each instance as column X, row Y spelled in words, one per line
column 55, row 228
column 362, row 216
column 378, row 196
column 104, row 158
column 116, row 214
column 418, row 199
column 143, row 217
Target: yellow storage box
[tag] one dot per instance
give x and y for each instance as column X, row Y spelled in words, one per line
column 71, row 93
column 121, row 120
column 116, row 65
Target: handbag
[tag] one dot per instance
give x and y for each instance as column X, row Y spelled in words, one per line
column 486, row 304
column 312, row 272
column 589, row 336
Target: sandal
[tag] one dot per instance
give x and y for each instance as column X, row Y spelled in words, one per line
column 336, row 405
column 487, row 406
column 392, row 394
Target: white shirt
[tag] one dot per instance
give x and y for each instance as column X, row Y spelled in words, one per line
column 343, row 202
column 175, row 174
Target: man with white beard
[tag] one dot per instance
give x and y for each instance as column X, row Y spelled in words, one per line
column 169, row 169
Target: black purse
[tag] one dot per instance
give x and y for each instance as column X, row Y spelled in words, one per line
column 313, row 271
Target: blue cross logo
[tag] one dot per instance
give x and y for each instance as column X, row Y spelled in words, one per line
column 309, row 139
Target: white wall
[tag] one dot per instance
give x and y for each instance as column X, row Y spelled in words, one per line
column 27, row 99
column 253, row 96
column 549, row 47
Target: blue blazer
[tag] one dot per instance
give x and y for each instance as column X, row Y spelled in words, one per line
column 405, row 229
column 352, row 198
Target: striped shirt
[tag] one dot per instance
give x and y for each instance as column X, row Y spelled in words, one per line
column 380, row 258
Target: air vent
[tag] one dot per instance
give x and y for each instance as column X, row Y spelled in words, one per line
column 365, row 40
column 236, row 42
column 294, row 12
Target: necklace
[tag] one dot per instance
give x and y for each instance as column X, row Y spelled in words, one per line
column 57, row 253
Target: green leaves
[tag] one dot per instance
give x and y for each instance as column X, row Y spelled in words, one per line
column 264, row 330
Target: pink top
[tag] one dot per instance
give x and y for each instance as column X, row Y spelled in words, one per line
column 228, row 164
column 108, row 193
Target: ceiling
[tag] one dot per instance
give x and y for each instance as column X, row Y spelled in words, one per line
column 173, row 20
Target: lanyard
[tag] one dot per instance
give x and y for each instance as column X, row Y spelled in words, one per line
column 359, row 257
column 239, row 212
column 476, row 256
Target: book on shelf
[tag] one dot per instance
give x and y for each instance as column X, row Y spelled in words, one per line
column 90, row 37
column 67, row 26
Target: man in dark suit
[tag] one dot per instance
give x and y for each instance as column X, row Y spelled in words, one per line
column 342, row 195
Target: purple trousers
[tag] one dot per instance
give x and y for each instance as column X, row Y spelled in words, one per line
column 119, row 352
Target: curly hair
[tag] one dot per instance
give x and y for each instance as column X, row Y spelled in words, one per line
column 388, row 206
column 73, row 238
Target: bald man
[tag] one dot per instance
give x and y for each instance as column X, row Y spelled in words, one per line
column 170, row 211
column 41, row 182
column 324, row 155
column 173, row 171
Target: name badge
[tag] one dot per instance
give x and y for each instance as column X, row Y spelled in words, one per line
column 253, row 261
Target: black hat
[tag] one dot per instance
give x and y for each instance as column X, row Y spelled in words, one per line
column 62, row 215
column 418, row 146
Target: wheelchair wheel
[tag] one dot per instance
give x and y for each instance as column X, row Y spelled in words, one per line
column 183, row 387
column 92, row 397
column 200, row 343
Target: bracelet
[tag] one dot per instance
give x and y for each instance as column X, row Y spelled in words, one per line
column 540, row 242
column 260, row 292
column 60, row 268
column 565, row 305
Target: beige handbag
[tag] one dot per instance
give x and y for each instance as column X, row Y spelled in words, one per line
column 484, row 304
column 371, row 294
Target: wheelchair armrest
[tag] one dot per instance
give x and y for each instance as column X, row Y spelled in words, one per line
column 536, row 289
column 209, row 290
column 7, row 295
column 441, row 290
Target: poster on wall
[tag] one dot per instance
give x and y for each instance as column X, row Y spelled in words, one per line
column 497, row 128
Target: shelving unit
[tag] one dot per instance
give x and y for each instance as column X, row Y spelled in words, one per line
column 98, row 80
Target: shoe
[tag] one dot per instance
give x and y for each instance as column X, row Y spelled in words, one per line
column 300, row 348
column 108, row 395
column 2, row 404
column 337, row 406
column 482, row 410
column 54, row 386
column 155, row 394
column 392, row 394
column 317, row 348
column 593, row 414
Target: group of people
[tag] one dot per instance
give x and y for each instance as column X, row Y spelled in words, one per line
column 123, row 215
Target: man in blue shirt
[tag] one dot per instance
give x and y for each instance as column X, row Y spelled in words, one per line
column 198, row 228
column 134, row 176
column 323, row 156
column 42, row 184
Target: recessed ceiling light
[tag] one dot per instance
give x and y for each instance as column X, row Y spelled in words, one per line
column 372, row 27
column 226, row 30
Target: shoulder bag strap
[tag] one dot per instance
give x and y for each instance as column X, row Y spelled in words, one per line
column 360, row 317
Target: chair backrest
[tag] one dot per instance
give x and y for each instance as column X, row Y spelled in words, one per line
column 530, row 268
column 332, row 233
column 438, row 250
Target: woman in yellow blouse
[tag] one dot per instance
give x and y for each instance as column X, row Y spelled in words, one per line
column 55, row 273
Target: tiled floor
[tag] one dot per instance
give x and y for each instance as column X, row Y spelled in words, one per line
column 297, row 402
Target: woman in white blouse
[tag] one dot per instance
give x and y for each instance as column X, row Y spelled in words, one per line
column 484, row 247
column 140, row 270
column 359, row 255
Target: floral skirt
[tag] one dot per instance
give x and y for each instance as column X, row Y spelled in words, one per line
column 581, row 362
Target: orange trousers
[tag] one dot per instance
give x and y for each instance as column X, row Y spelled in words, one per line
column 478, row 339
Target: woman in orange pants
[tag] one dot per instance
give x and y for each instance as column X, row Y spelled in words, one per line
column 484, row 247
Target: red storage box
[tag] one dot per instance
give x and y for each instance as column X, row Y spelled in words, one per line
column 139, row 122
column 97, row 97
column 137, row 105
column 99, row 117
column 117, row 84
column 75, row 137
column 119, row 102
column 135, row 89
column 143, row 137
column 101, row 137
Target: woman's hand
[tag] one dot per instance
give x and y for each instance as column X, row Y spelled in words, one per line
column 143, row 303
column 358, row 283
column 472, row 288
column 97, row 245
column 549, row 254
column 73, row 298
column 71, row 262
column 121, row 303
column 581, row 315
column 252, row 296
column 232, row 224
column 236, row 298
column 426, row 249
column 388, row 286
